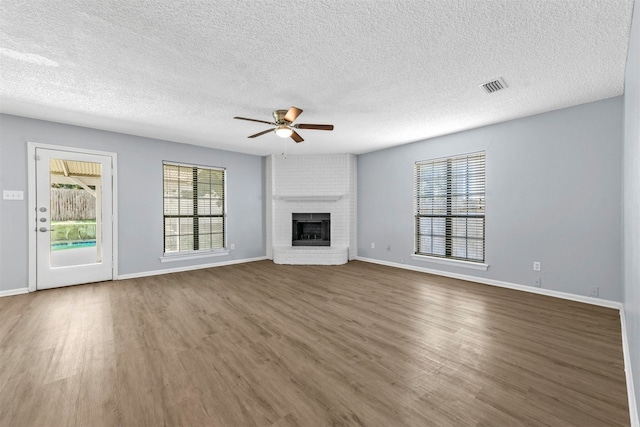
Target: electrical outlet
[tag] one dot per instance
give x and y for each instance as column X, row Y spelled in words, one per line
column 536, row 265
column 232, row 246
column 373, row 245
column 537, row 282
column 594, row 291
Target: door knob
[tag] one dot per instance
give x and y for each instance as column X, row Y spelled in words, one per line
column 43, row 219
column 43, row 229
column 43, row 209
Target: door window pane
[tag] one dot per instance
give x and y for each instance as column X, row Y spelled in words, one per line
column 75, row 223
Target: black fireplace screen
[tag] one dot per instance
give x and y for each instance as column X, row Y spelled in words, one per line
column 311, row 229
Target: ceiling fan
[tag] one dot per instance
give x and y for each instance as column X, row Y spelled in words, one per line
column 284, row 127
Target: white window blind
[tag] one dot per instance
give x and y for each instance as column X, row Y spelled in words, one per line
column 194, row 208
column 450, row 207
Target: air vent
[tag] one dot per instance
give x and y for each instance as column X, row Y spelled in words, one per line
column 494, row 86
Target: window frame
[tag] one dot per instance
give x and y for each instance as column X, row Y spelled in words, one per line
column 422, row 194
column 193, row 253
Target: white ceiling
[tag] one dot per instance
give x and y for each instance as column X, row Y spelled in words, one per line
column 384, row 73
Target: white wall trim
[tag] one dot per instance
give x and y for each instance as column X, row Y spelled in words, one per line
column 501, row 284
column 453, row 262
column 187, row 268
column 12, row 292
column 31, row 203
column 631, row 396
column 31, row 206
column 193, row 255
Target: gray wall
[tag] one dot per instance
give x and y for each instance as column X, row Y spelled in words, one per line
column 139, row 195
column 632, row 200
column 553, row 195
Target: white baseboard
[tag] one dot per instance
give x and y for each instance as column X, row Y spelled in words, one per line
column 187, row 268
column 11, row 292
column 484, row 281
column 631, row 395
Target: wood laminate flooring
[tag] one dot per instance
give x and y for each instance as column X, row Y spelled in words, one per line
column 260, row 344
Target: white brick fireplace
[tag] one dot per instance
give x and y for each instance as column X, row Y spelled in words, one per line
column 311, row 184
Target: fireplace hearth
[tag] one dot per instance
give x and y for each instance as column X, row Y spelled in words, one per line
column 311, row 229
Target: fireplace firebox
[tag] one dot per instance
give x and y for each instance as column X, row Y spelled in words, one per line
column 311, row 229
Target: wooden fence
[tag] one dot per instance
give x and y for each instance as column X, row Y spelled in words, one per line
column 69, row 205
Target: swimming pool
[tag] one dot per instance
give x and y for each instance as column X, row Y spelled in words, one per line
column 59, row 246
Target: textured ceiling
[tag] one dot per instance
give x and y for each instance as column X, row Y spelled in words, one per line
column 383, row 72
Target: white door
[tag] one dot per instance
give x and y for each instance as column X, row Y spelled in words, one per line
column 74, row 218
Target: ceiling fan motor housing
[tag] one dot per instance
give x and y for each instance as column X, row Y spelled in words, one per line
column 278, row 117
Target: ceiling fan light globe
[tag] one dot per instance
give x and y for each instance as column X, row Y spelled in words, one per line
column 284, row 131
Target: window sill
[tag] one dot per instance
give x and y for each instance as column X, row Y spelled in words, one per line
column 452, row 262
column 189, row 256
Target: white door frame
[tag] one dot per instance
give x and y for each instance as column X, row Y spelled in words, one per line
column 31, row 205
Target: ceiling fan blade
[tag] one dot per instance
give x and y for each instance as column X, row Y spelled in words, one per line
column 254, row 120
column 296, row 137
column 292, row 114
column 316, row 127
column 261, row 133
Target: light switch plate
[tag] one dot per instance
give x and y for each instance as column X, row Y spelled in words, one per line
column 12, row 195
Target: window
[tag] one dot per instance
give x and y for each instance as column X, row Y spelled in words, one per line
column 194, row 208
column 450, row 204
